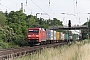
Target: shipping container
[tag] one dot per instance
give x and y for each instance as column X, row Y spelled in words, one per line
column 66, row 36
column 60, row 35
column 63, row 36
column 57, row 35
column 49, row 34
column 54, row 37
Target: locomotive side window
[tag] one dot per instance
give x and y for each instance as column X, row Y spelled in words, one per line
column 33, row 31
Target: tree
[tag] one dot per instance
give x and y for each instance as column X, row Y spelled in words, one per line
column 2, row 19
column 7, row 34
column 31, row 22
column 17, row 21
column 57, row 22
column 86, row 32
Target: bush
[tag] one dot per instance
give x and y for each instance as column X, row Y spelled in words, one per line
column 20, row 40
column 2, row 45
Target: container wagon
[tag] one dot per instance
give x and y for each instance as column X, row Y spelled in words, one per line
column 50, row 36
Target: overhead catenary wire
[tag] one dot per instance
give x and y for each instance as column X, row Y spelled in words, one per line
column 28, row 9
column 77, row 11
column 40, row 7
column 48, row 6
column 4, row 5
column 74, row 6
column 77, row 16
column 14, row 3
column 25, row 5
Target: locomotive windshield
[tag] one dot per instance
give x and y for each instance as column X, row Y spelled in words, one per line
column 33, row 31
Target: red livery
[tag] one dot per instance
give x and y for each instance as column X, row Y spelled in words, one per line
column 36, row 35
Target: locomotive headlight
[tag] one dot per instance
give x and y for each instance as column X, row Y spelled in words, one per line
column 29, row 35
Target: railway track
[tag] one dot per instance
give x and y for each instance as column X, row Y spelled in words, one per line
column 12, row 53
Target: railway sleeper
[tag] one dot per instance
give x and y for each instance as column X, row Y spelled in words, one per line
column 26, row 52
column 5, row 57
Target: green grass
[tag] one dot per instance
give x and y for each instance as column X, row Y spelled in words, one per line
column 7, row 45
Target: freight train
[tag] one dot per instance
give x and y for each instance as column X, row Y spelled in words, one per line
column 42, row 36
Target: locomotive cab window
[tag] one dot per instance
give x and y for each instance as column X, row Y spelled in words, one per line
column 33, row 31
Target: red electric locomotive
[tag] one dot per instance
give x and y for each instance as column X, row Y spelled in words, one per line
column 36, row 35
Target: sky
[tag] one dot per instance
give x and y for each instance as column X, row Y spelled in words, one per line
column 77, row 12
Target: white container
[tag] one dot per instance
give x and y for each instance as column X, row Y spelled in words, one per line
column 51, row 35
column 60, row 36
column 63, row 36
column 54, row 35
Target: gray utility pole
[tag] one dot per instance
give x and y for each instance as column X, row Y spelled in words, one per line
column 0, row 2
column 88, row 28
column 22, row 6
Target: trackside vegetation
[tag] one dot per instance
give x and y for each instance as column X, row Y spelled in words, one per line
column 14, row 25
column 74, row 51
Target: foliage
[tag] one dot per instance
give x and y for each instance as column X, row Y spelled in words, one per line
column 14, row 26
column 2, row 19
column 31, row 22
column 86, row 32
column 8, row 34
column 73, row 51
column 16, row 20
